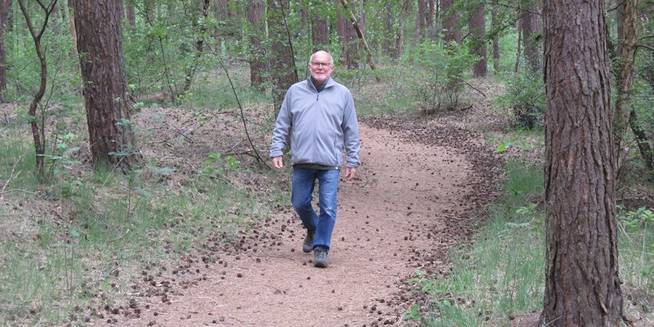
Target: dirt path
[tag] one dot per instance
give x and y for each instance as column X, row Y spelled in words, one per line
column 391, row 221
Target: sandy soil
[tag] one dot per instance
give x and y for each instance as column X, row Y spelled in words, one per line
column 394, row 219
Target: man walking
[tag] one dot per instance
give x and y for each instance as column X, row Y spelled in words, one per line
column 318, row 117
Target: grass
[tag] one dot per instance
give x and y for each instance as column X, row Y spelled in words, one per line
column 501, row 274
column 106, row 223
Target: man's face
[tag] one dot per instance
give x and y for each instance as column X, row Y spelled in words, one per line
column 320, row 67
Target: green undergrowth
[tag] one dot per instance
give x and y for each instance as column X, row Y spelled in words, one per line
column 87, row 233
column 500, row 275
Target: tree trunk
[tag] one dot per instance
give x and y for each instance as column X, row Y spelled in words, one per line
column 347, row 36
column 256, row 12
column 450, row 22
column 100, row 48
column 496, row 38
column 131, row 14
column 5, row 9
column 582, row 286
column 405, row 5
column 319, row 33
column 627, row 38
column 530, row 27
column 389, row 31
column 37, row 122
column 420, row 20
column 477, row 27
column 429, row 19
column 359, row 31
column 282, row 61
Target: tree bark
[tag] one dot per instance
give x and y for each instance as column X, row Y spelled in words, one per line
column 131, row 14
column 582, row 286
column 477, row 27
column 421, row 20
column 362, row 38
column 282, row 61
column 530, row 26
column 256, row 12
column 347, row 36
column 451, row 31
column 627, row 38
column 99, row 44
column 5, row 9
column 319, row 33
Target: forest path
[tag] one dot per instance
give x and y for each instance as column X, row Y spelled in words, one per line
column 392, row 220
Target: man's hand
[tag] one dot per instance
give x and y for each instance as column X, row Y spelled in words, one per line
column 277, row 162
column 350, row 172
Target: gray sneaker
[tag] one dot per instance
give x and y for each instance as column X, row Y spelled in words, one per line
column 320, row 255
column 307, row 245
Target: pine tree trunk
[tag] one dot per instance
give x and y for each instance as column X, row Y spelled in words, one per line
column 582, row 286
column 319, row 33
column 420, row 20
column 451, row 31
column 530, row 26
column 99, row 44
column 256, row 12
column 131, row 14
column 282, row 62
column 5, row 9
column 627, row 38
column 477, row 29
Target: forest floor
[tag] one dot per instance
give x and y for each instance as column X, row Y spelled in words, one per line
column 423, row 187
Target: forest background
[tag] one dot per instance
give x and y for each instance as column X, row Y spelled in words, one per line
column 77, row 205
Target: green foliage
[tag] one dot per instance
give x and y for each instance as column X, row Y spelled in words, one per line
column 441, row 75
column 525, row 96
column 637, row 247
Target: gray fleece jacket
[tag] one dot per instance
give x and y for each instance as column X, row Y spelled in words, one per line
column 319, row 125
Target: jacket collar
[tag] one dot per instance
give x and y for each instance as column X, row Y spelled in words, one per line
column 328, row 83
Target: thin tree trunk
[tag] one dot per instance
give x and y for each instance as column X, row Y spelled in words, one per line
column 200, row 25
column 5, row 10
column 100, row 47
column 38, row 125
column 478, row 31
column 496, row 38
column 518, row 52
column 582, row 286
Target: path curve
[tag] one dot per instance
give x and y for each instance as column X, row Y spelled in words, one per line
column 391, row 220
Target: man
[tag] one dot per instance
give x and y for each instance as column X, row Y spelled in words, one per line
column 318, row 117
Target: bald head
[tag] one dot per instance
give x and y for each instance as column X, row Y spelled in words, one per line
column 322, row 54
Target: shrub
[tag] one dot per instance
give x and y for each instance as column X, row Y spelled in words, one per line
column 525, row 95
column 441, row 76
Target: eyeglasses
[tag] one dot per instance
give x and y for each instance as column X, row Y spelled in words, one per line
column 320, row 64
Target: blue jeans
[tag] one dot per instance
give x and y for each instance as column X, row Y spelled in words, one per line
column 302, row 189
